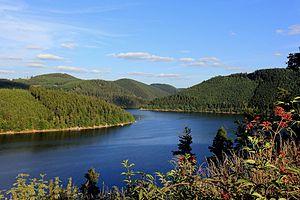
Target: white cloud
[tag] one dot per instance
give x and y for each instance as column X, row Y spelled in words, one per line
column 277, row 54
column 207, row 62
column 168, row 75
column 6, row 71
column 14, row 58
column 68, row 45
column 291, row 30
column 279, row 31
column 49, row 57
column 35, row 65
column 143, row 56
column 153, row 75
column 76, row 69
column 184, row 51
column 186, row 59
column 34, row 47
column 294, row 29
column 232, row 33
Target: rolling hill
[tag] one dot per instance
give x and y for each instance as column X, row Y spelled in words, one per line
column 123, row 92
column 233, row 93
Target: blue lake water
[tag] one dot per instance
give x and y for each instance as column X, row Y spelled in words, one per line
column 148, row 143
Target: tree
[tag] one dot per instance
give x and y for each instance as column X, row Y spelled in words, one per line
column 221, row 144
column 89, row 189
column 293, row 61
column 185, row 141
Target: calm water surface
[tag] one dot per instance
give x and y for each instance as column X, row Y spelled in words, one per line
column 148, row 143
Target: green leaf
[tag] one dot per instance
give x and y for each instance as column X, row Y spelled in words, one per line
column 250, row 161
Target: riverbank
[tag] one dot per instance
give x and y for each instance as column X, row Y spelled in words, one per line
column 184, row 111
column 65, row 129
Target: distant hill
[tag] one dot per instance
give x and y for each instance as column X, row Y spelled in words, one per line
column 42, row 109
column 233, row 93
column 124, row 92
column 142, row 90
column 165, row 87
column 4, row 83
column 49, row 80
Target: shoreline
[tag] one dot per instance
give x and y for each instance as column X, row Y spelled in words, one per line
column 184, row 111
column 65, row 129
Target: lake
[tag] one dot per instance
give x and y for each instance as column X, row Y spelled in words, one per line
column 148, row 143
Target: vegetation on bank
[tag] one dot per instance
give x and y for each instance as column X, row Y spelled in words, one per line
column 40, row 109
column 126, row 93
column 262, row 163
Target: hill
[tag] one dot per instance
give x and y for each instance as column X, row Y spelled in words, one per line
column 142, row 90
column 42, row 109
column 49, row 80
column 4, row 83
column 233, row 93
column 124, row 92
column 165, row 87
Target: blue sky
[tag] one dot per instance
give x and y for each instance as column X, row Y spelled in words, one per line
column 167, row 41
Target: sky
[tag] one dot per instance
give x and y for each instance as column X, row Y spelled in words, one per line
column 177, row 42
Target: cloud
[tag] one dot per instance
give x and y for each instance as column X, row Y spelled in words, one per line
column 76, row 69
column 35, row 65
column 184, row 51
column 68, row 45
column 13, row 58
column 207, row 62
column 49, row 57
column 291, row 30
column 143, row 56
column 153, row 75
column 294, row 29
column 186, row 60
column 34, row 47
column 6, row 71
column 277, row 54
column 232, row 33
column 168, row 75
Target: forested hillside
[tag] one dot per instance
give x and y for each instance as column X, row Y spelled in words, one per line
column 39, row 109
column 233, row 93
column 124, row 92
column 165, row 87
column 5, row 83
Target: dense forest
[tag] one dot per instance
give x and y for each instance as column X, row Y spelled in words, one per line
column 39, row 109
column 126, row 93
column 233, row 93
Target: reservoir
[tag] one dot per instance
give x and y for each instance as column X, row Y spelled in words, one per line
column 148, row 143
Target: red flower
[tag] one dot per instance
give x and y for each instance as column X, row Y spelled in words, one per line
column 249, row 125
column 180, row 158
column 225, row 195
column 279, row 111
column 287, row 116
column 283, row 124
column 266, row 125
column 282, row 154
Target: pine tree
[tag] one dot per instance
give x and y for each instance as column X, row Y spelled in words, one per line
column 221, row 144
column 185, row 141
column 89, row 189
column 294, row 61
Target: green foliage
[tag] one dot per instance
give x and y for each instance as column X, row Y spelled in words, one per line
column 294, row 61
column 185, row 141
column 124, row 92
column 89, row 189
column 233, row 93
column 165, row 87
column 219, row 94
column 221, row 144
column 39, row 109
